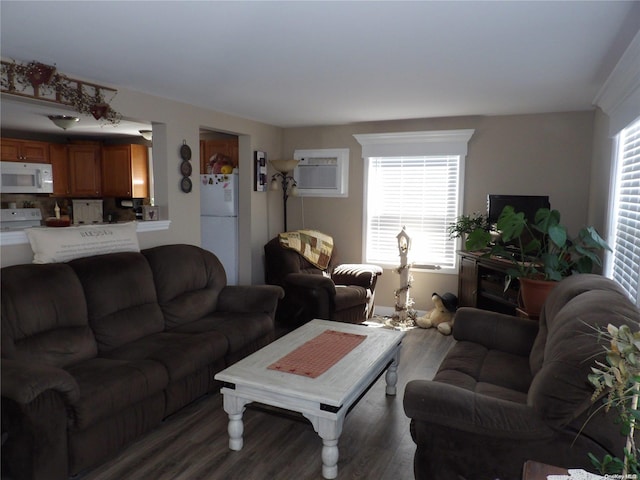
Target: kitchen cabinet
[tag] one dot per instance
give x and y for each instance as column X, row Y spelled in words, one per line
column 125, row 171
column 59, row 158
column 12, row 150
column 84, row 171
column 76, row 170
column 227, row 147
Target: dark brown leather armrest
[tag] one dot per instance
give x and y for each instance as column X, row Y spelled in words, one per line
column 249, row 298
column 310, row 282
column 457, row 408
column 363, row 275
column 22, row 382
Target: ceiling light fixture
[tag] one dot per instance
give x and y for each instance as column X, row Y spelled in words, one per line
column 146, row 134
column 64, row 121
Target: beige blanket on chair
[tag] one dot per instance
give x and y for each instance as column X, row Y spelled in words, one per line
column 314, row 246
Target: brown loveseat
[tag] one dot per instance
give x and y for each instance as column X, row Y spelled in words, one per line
column 509, row 391
column 101, row 349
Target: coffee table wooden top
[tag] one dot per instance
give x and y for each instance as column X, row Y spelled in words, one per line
column 335, row 387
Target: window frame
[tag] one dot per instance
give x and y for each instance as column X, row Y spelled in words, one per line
column 613, row 214
column 415, row 144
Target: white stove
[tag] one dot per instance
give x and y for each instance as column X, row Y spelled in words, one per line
column 19, row 218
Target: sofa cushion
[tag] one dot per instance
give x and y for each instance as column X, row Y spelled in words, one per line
column 121, row 298
column 350, row 296
column 240, row 329
column 181, row 354
column 44, row 315
column 481, row 370
column 51, row 245
column 188, row 281
column 108, row 386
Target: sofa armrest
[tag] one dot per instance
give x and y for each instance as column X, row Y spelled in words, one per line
column 495, row 331
column 457, row 408
column 23, row 382
column 250, row 298
column 308, row 281
column 363, row 275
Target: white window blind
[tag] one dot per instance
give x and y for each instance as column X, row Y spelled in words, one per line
column 624, row 262
column 420, row 193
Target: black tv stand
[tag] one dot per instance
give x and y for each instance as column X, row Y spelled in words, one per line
column 481, row 283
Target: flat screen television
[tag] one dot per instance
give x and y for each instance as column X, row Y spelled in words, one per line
column 528, row 204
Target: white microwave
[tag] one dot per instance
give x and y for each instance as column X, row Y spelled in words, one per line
column 18, row 177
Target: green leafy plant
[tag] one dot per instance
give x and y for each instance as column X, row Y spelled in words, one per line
column 466, row 224
column 620, row 378
column 542, row 249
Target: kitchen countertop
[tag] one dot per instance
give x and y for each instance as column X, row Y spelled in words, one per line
column 19, row 237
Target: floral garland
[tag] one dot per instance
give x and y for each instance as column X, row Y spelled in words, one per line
column 411, row 314
column 45, row 81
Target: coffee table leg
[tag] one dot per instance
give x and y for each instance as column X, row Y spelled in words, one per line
column 329, row 430
column 330, row 455
column 392, row 376
column 234, row 406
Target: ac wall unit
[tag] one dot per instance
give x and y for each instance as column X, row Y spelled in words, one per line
column 322, row 172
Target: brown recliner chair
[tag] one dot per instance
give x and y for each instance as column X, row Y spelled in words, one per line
column 343, row 293
column 512, row 390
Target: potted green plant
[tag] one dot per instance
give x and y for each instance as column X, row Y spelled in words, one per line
column 541, row 253
column 465, row 224
column 620, row 378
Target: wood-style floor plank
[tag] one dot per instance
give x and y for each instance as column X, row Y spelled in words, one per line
column 193, row 444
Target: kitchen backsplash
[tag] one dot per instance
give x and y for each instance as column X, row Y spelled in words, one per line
column 112, row 212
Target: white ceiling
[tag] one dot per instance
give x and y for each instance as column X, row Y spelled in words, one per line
column 321, row 63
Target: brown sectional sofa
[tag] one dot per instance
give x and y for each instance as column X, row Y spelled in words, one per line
column 101, row 349
column 512, row 390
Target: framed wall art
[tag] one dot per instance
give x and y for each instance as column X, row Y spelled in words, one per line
column 260, row 171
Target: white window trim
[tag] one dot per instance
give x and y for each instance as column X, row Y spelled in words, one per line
column 425, row 143
column 612, row 213
column 619, row 96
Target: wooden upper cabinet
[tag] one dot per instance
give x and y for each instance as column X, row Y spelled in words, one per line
column 59, row 158
column 208, row 148
column 84, row 170
column 125, row 171
column 12, row 150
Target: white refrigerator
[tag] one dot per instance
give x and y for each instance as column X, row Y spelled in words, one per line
column 219, row 220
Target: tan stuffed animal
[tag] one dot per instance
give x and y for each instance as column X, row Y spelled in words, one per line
column 442, row 315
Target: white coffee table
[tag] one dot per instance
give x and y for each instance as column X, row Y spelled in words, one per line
column 324, row 400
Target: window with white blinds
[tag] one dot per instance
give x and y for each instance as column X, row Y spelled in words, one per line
column 623, row 263
column 421, row 193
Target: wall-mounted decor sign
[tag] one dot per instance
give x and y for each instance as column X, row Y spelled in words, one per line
column 150, row 212
column 260, row 171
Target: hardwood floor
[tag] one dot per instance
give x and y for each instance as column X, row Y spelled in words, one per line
column 193, row 444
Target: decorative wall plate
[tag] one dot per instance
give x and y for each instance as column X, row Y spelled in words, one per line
column 186, row 185
column 185, row 151
column 185, row 168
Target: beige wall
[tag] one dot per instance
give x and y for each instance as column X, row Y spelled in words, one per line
column 545, row 154
column 601, row 171
column 526, row 154
column 174, row 123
